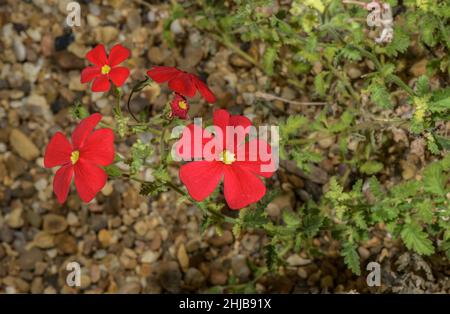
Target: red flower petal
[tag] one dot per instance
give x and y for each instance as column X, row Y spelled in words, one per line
column 101, row 84
column 253, row 158
column 161, row 74
column 118, row 54
column 58, row 151
column 183, row 84
column 89, row 179
column 119, row 75
column 97, row 55
column 222, row 119
column 201, row 178
column 83, row 129
column 203, row 89
column 61, row 182
column 89, row 73
column 98, row 148
column 191, row 135
column 241, row 187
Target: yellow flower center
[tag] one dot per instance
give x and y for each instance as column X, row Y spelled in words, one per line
column 106, row 69
column 74, row 157
column 228, row 157
column 182, row 104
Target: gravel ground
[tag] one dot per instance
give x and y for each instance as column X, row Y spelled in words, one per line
column 125, row 242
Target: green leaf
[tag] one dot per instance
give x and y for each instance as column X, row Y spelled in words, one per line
column 291, row 219
column 351, row 257
column 422, row 85
column 434, row 179
column 271, row 257
column 380, row 96
column 292, row 126
column 113, row 171
column 417, row 240
column 269, row 60
column 371, row 167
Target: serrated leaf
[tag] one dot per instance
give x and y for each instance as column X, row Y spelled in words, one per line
column 417, row 240
column 434, row 179
column 351, row 257
column 113, row 171
column 269, row 58
column 371, row 167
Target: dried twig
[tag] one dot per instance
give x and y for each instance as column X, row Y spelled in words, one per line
column 293, row 102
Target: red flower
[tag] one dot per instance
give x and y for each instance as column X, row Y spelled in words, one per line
column 83, row 157
column 179, row 107
column 105, row 68
column 183, row 83
column 242, row 185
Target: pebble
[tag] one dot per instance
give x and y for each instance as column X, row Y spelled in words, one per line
column 218, row 277
column 44, row 240
column 19, row 49
column 240, row 268
column 238, row 61
column 149, row 257
column 170, row 277
column 105, row 237
column 54, row 224
column 28, row 259
column 182, row 257
column 221, row 240
column 66, row 244
column 14, row 219
column 194, row 278
column 130, row 288
column 297, row 260
column 176, row 28
column 22, row 145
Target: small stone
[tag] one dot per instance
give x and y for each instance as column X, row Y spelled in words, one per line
column 43, row 240
column 239, row 62
column 194, row 278
column 157, row 55
column 354, row 72
column 221, row 240
column 105, row 237
column 22, row 145
column 28, row 259
column 107, row 189
column 54, row 223
column 170, row 277
column 68, row 61
column 218, row 277
column 72, row 219
column 326, row 282
column 66, row 244
column 149, row 257
column 141, row 228
column 183, row 258
column 419, row 68
column 240, row 268
column 14, row 218
column 106, row 34
column 2, row 252
column 297, row 260
column 363, row 252
column 85, row 281
column 176, row 28
column 19, row 49
column 130, row 288
column 302, row 273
